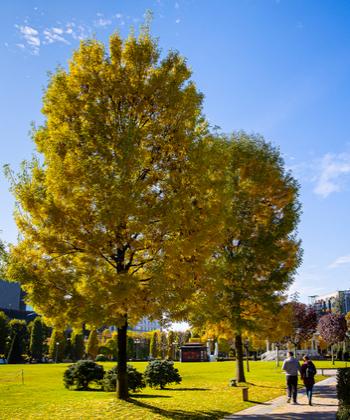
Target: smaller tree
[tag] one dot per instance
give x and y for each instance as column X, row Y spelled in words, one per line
column 170, row 347
column 92, row 345
column 130, row 348
column 36, row 345
column 112, row 346
column 163, row 344
column 18, row 338
column 159, row 373
column 332, row 328
column 78, row 346
column 304, row 322
column 57, row 346
column 154, row 345
column 4, row 332
column 82, row 373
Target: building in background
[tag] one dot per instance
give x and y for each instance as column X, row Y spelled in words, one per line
column 332, row 302
column 145, row 325
column 12, row 301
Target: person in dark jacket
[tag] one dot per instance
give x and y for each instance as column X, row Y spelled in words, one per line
column 308, row 372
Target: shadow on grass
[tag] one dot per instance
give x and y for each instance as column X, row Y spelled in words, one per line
column 149, row 396
column 180, row 414
column 188, row 389
column 87, row 389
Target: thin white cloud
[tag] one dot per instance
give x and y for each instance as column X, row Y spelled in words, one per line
column 177, row 6
column 177, row 21
column 31, row 37
column 102, row 22
column 333, row 171
column 340, row 261
column 77, row 32
column 58, row 31
column 54, row 35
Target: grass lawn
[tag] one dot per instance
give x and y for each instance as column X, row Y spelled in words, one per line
column 203, row 394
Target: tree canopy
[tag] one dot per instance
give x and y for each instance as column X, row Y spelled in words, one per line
column 114, row 218
column 332, row 328
column 255, row 263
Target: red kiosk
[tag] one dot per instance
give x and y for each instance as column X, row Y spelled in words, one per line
column 194, row 352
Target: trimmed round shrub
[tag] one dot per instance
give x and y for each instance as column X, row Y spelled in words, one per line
column 135, row 379
column 159, row 373
column 82, row 373
column 101, row 358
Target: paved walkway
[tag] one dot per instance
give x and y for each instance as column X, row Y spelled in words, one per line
column 325, row 405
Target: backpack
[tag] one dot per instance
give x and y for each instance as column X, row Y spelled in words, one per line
column 310, row 371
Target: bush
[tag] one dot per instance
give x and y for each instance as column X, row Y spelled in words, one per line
column 343, row 387
column 160, row 373
column 343, row 413
column 82, row 373
column 101, row 358
column 135, row 379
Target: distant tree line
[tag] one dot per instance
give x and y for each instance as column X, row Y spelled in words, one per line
column 36, row 342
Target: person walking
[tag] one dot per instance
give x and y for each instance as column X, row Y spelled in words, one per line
column 291, row 367
column 307, row 373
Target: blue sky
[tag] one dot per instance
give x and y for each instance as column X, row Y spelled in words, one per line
column 275, row 67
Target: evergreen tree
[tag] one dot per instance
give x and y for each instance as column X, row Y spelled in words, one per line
column 92, row 345
column 4, row 332
column 154, row 345
column 57, row 346
column 112, row 346
column 131, row 348
column 17, row 340
column 36, row 345
column 78, row 346
column 163, row 345
column 171, row 345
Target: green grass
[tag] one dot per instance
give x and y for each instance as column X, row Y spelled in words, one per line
column 203, row 394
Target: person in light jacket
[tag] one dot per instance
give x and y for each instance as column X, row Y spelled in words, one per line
column 291, row 368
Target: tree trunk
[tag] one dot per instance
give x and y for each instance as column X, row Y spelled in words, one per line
column 122, row 377
column 332, row 351
column 239, row 359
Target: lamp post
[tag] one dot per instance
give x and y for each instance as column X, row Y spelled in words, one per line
column 137, row 341
column 209, row 345
column 56, row 356
column 174, row 350
column 277, row 354
column 246, row 345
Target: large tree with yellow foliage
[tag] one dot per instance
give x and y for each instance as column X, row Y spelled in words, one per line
column 114, row 219
column 255, row 263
